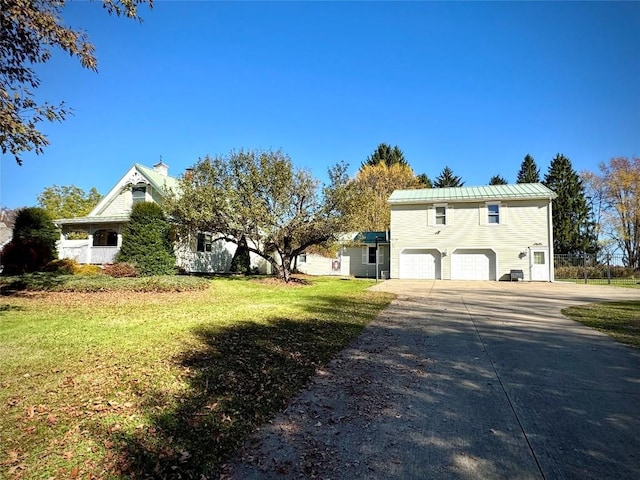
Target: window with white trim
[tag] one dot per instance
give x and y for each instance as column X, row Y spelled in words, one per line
column 139, row 194
column 440, row 214
column 302, row 258
column 493, row 213
column 369, row 255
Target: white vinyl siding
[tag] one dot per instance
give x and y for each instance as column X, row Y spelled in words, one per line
column 523, row 224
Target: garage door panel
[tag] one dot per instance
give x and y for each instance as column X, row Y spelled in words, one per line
column 471, row 265
column 417, row 264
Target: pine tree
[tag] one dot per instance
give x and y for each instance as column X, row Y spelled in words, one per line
column 447, row 179
column 497, row 180
column 529, row 172
column 572, row 229
column 386, row 154
column 146, row 242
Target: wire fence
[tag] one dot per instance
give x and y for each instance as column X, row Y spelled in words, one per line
column 599, row 269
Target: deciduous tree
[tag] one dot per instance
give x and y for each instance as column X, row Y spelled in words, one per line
column 618, row 184
column 29, row 30
column 447, row 179
column 529, row 172
column 260, row 196
column 369, row 190
column 573, row 230
column 68, row 201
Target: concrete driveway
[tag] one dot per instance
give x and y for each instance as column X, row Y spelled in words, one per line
column 465, row 380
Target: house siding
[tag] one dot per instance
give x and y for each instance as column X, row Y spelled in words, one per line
column 121, row 203
column 523, row 223
column 319, row 265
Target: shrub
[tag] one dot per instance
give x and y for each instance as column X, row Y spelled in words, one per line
column 146, row 241
column 87, row 270
column 120, row 270
column 64, row 266
column 33, row 244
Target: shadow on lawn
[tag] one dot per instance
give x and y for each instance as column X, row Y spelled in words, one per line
column 241, row 377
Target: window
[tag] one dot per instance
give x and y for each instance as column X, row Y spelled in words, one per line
column 493, row 211
column 538, row 258
column 372, row 254
column 302, row 258
column 105, row 238
column 139, row 194
column 204, row 242
column 369, row 255
column 441, row 215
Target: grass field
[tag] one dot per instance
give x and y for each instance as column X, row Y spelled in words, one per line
column 125, row 384
column 621, row 320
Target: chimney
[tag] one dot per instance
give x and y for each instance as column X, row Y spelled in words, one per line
column 161, row 168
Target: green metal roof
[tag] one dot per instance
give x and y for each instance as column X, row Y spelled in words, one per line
column 370, row 237
column 516, row 191
column 159, row 181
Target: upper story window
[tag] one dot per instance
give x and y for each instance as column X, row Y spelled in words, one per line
column 139, row 194
column 493, row 213
column 441, row 215
column 204, row 242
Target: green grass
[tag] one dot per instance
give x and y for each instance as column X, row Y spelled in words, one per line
column 621, row 320
column 122, row 384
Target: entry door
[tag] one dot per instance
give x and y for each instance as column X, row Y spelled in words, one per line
column 539, row 264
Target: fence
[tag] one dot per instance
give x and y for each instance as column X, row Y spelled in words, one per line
column 596, row 269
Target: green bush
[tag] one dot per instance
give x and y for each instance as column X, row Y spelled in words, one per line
column 88, row 270
column 146, row 241
column 64, row 266
column 121, row 270
column 33, row 244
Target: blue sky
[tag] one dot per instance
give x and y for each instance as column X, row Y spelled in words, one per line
column 470, row 85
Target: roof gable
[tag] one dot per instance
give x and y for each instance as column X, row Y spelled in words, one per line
column 516, row 191
column 136, row 174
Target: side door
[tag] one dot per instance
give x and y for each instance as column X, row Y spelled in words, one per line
column 539, row 264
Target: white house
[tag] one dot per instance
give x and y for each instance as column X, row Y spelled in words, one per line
column 103, row 226
column 359, row 255
column 473, row 233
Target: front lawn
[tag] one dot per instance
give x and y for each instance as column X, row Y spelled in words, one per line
column 124, row 384
column 621, row 320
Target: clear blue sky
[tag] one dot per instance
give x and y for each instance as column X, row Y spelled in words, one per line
column 473, row 86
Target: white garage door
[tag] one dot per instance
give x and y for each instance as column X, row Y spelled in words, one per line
column 470, row 266
column 417, row 264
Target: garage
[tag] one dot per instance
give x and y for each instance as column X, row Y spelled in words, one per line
column 419, row 264
column 473, row 264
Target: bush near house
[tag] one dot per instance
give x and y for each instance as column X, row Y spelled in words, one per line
column 33, row 244
column 146, row 241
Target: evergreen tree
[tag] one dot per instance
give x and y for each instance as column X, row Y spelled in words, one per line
column 425, row 181
column 146, row 242
column 497, row 180
column 573, row 231
column 529, row 172
column 386, row 154
column 447, row 179
column 33, row 244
